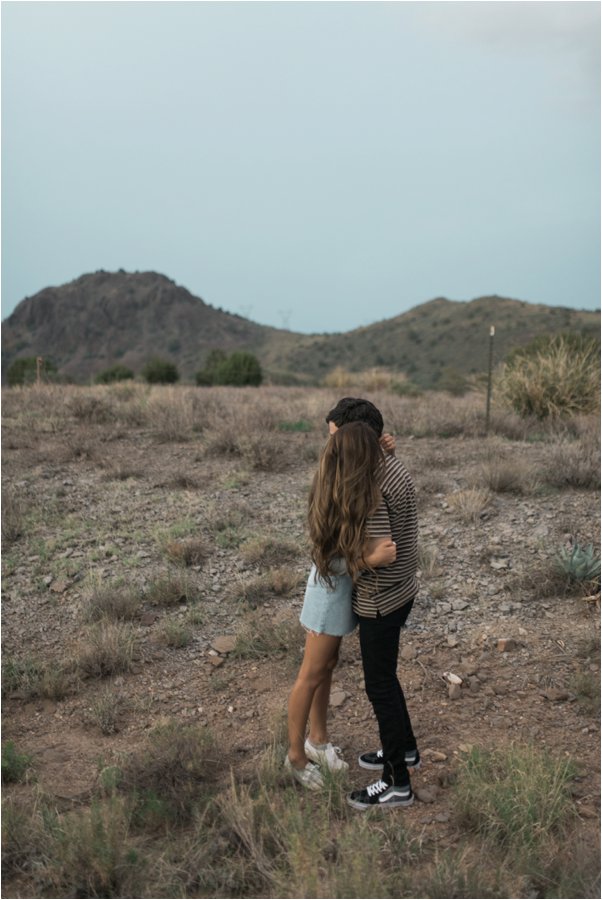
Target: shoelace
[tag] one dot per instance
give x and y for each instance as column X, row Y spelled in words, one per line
column 377, row 788
column 336, row 750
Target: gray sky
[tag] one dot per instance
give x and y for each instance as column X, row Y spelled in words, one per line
column 313, row 165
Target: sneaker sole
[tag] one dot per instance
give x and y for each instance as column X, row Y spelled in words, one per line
column 377, row 767
column 393, row 804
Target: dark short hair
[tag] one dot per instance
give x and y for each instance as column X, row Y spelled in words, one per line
column 353, row 409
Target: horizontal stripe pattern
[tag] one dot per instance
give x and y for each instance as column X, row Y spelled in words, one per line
column 385, row 589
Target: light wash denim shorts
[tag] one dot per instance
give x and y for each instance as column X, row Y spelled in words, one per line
column 328, row 610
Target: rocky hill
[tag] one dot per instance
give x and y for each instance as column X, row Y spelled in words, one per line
column 104, row 318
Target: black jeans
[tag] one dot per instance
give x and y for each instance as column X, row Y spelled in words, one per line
column 379, row 642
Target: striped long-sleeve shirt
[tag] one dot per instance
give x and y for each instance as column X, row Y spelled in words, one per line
column 385, row 589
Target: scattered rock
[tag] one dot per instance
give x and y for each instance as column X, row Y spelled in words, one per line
column 499, row 563
column 556, row 694
column 59, row 586
column 505, row 645
column 454, row 691
column 225, row 643
column 442, row 817
column 408, row 652
column 426, row 794
column 434, row 755
column 337, row 698
column 216, row 661
column 148, row 618
column 452, row 641
column 451, row 678
column 459, row 605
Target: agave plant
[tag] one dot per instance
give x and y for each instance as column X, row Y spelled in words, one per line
column 579, row 563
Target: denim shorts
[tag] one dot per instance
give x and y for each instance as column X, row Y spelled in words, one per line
column 327, row 610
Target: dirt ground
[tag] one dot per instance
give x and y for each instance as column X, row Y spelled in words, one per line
column 99, row 503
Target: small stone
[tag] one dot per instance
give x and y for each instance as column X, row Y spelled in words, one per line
column 504, row 645
column 216, row 661
column 458, row 605
column 465, row 748
column 225, row 643
column 556, row 694
column 59, row 586
column 337, row 698
column 442, row 817
column 408, row 652
column 426, row 794
column 499, row 563
column 148, row 618
column 454, row 691
column 474, row 684
column 452, row 641
column 434, row 755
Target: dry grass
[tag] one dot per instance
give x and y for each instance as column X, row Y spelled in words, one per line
column 268, row 550
column 174, row 633
column 108, row 649
column 28, row 678
column 106, row 710
column 112, row 601
column 254, row 591
column 191, row 552
column 172, row 589
column 13, row 516
column 469, row 504
column 573, row 464
column 507, row 476
column 261, row 636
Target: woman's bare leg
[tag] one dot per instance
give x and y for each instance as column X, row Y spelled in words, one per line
column 316, row 668
column 318, row 727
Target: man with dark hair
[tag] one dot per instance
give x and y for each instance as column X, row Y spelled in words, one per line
column 383, row 602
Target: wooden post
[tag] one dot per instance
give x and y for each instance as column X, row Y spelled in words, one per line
column 39, row 364
column 489, row 378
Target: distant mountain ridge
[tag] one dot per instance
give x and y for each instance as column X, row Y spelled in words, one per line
column 104, row 318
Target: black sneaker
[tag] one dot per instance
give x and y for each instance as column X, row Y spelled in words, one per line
column 380, row 794
column 374, row 760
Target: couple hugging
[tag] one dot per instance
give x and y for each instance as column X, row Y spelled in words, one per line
column 363, row 532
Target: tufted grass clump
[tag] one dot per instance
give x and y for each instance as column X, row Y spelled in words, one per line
column 108, row 649
column 561, row 378
column 14, row 764
column 171, row 777
column 113, row 601
column 515, row 797
column 468, row 504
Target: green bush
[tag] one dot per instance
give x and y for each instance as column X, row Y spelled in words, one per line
column 239, row 369
column 160, row 371
column 207, row 375
column 14, row 764
column 113, row 374
column 557, row 377
column 25, row 371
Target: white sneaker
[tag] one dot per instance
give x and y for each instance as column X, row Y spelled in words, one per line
column 309, row 777
column 328, row 757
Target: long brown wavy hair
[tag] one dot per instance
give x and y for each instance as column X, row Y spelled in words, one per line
column 344, row 493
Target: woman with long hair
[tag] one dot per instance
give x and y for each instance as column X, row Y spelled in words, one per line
column 344, row 494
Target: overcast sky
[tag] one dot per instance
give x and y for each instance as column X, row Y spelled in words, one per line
column 312, row 165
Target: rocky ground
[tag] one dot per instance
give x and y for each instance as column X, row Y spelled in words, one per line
column 101, row 504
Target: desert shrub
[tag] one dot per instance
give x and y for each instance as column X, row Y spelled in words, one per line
column 108, row 649
column 94, row 408
column 172, row 776
column 25, row 371
column 160, row 371
column 207, row 376
column 239, row 369
column 453, row 381
column 557, row 379
column 14, row 764
column 113, row 374
column 573, row 464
